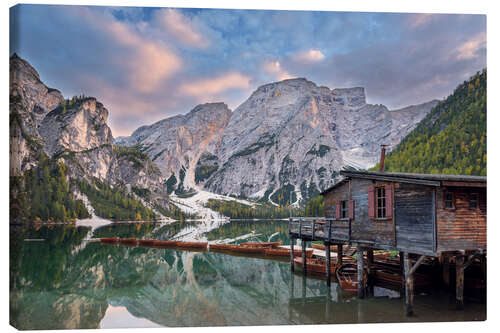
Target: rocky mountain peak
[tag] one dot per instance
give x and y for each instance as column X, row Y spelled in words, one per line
column 36, row 96
column 76, row 125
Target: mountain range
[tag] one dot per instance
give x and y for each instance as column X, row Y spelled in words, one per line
column 288, row 137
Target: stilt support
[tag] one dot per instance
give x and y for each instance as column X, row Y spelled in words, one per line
column 292, row 241
column 328, row 263
column 460, row 281
column 339, row 254
column 361, row 271
column 408, row 285
column 304, row 261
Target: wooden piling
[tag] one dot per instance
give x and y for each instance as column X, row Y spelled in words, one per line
column 460, row 281
column 369, row 271
column 328, row 263
column 304, row 259
column 408, row 285
column 446, row 271
column 361, row 282
column 339, row 254
column 292, row 240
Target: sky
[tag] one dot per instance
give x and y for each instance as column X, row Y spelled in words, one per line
column 147, row 64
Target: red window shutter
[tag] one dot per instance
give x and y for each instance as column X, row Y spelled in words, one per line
column 351, row 209
column 388, row 201
column 337, row 210
column 371, row 202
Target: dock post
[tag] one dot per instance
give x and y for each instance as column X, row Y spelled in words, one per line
column 361, row 282
column 339, row 254
column 369, row 269
column 460, row 281
column 408, row 285
column 402, row 268
column 304, row 264
column 292, row 240
column 328, row 264
column 446, row 271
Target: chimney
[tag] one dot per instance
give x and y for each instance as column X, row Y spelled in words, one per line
column 382, row 157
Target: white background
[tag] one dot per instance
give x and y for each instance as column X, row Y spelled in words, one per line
column 421, row 6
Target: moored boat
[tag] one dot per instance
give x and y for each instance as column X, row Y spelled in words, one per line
column 261, row 244
column 165, row 243
column 193, row 245
column 347, row 276
column 215, row 246
column 318, row 246
column 285, row 252
column 315, row 265
column 147, row 242
column 111, row 240
column 131, row 241
column 247, row 249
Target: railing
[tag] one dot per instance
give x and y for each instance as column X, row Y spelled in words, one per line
column 320, row 228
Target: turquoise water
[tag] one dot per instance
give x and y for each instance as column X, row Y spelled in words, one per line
column 62, row 281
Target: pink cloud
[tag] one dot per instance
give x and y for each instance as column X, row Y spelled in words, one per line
column 309, row 56
column 418, row 20
column 205, row 88
column 147, row 63
column 180, row 27
column 274, row 68
column 470, row 48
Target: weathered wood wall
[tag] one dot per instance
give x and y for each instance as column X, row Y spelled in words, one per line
column 363, row 228
column 461, row 228
column 414, row 211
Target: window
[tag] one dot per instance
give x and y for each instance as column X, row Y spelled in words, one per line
column 344, row 209
column 380, row 202
column 473, row 201
column 449, row 200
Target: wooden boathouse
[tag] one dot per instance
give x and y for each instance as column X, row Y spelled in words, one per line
column 419, row 215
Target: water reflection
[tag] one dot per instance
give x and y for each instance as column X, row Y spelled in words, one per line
column 53, row 286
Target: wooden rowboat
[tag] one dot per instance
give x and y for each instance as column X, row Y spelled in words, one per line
column 192, row 245
column 132, row 241
column 347, row 276
column 165, row 243
column 262, row 244
column 318, row 246
column 215, row 246
column 247, row 249
column 315, row 265
column 147, row 242
column 284, row 252
column 111, row 240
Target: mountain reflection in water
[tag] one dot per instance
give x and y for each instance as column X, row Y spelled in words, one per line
column 58, row 283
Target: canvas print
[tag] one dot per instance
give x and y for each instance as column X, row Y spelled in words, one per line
column 215, row 167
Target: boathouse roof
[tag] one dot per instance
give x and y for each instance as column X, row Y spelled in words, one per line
column 414, row 178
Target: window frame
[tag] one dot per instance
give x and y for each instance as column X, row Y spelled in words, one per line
column 453, row 206
column 476, row 201
column 381, row 208
column 344, row 209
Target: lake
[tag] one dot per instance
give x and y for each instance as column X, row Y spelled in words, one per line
column 59, row 280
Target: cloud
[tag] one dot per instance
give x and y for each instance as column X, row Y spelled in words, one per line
column 309, row 56
column 419, row 20
column 180, row 27
column 205, row 88
column 274, row 68
column 470, row 49
column 147, row 62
